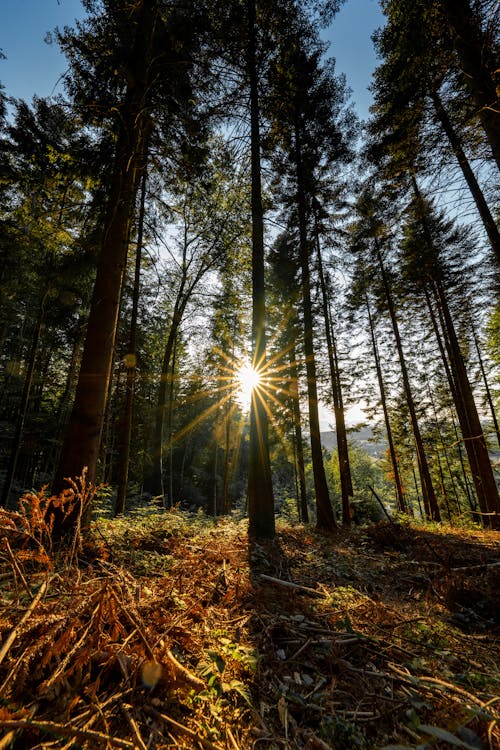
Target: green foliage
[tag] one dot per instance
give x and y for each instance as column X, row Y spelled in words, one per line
column 366, row 471
column 217, row 668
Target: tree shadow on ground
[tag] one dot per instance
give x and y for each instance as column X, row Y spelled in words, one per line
column 367, row 635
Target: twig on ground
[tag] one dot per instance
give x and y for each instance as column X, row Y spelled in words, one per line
column 66, row 731
column 202, row 741
column 290, row 585
column 17, row 569
column 13, row 633
column 135, row 729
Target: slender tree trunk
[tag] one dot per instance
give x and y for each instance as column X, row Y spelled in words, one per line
column 400, row 495
column 299, row 447
column 415, row 484
column 224, row 500
column 131, row 362
column 487, row 387
column 23, row 406
column 82, row 442
column 481, row 78
column 441, row 449
column 260, row 488
column 340, row 428
column 153, row 482
column 64, row 407
column 476, row 192
column 216, row 467
column 460, row 410
column 430, row 500
column 468, row 491
column 170, row 496
column 325, row 518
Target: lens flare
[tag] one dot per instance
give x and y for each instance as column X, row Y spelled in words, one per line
column 248, row 379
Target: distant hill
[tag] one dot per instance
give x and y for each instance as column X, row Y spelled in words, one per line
column 363, row 437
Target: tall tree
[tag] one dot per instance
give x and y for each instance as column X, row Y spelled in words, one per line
column 428, row 240
column 150, row 49
column 417, row 83
column 82, row 442
column 371, row 227
column 474, row 27
column 340, row 427
column 260, row 488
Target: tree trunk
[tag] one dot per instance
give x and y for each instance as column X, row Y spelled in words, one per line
column 454, row 390
column 471, row 47
column 153, row 482
column 83, row 437
column 325, row 519
column 299, row 448
column 23, row 406
column 429, row 495
column 475, row 443
column 260, row 488
column 476, row 192
column 400, row 495
column 487, row 387
column 131, row 363
column 340, row 428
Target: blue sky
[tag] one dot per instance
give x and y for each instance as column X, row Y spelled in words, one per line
column 33, row 67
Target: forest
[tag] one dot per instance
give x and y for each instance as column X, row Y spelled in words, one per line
column 205, row 255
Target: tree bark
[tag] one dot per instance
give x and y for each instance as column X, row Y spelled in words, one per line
column 299, row 448
column 475, row 443
column 429, row 495
column 340, row 428
column 131, row 363
column 82, row 441
column 260, row 488
column 400, row 495
column 486, row 387
column 325, row 519
column 23, row 406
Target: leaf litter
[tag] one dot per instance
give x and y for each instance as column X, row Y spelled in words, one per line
column 168, row 630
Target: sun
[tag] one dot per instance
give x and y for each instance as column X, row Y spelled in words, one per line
column 247, row 380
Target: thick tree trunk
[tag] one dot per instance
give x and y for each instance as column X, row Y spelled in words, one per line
column 131, row 363
column 480, row 73
column 82, row 442
column 400, row 495
column 260, row 488
column 429, row 495
column 469, row 176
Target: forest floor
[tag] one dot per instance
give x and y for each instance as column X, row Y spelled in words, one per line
column 168, row 630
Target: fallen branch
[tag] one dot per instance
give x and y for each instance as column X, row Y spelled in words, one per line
column 290, row 585
column 13, row 633
column 183, row 673
column 66, row 731
column 201, row 740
